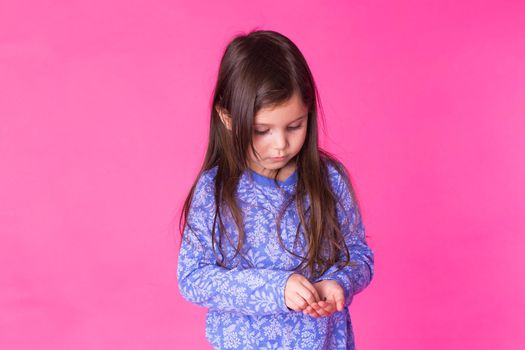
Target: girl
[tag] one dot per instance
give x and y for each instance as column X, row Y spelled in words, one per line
column 273, row 243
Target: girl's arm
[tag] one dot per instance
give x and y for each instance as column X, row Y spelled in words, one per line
column 201, row 281
column 352, row 279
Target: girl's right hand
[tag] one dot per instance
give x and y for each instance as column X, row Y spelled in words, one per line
column 299, row 293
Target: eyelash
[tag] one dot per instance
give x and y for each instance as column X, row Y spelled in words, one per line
column 292, row 128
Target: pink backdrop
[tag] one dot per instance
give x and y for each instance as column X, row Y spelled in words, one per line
column 104, row 108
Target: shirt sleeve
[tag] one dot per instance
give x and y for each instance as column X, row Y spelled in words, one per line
column 353, row 279
column 251, row 291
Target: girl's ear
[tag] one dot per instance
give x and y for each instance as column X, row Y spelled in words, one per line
column 225, row 117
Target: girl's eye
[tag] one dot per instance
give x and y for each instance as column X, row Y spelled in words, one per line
column 263, row 132
column 260, row 132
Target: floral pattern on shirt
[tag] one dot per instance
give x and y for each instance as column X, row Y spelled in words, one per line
column 246, row 299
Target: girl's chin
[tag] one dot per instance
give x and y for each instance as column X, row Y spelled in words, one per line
column 275, row 164
column 269, row 164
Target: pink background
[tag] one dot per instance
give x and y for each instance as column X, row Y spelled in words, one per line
column 104, row 108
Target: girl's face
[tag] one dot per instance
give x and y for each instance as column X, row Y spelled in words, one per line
column 278, row 136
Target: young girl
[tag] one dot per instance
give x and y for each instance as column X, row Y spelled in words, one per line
column 273, row 243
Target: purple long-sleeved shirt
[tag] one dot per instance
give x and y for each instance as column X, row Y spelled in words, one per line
column 246, row 300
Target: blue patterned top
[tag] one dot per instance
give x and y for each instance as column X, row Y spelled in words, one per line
column 246, row 300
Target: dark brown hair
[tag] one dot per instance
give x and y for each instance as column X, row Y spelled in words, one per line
column 259, row 70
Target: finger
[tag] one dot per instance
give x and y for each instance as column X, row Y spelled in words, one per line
column 312, row 290
column 309, row 312
column 312, row 313
column 292, row 305
column 299, row 300
column 339, row 301
column 320, row 310
column 329, row 307
column 324, row 304
column 307, row 294
column 323, row 309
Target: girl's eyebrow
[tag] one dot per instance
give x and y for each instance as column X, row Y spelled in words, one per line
column 302, row 117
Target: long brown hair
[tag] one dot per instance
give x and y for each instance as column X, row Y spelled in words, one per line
column 259, row 70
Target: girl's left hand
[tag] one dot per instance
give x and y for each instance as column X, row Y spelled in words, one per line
column 320, row 309
column 332, row 299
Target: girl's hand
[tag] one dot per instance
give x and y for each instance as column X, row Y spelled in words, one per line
column 332, row 299
column 299, row 293
column 320, row 309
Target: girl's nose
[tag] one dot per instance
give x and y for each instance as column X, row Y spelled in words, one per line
column 280, row 141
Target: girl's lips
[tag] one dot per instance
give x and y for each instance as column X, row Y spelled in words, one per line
column 278, row 158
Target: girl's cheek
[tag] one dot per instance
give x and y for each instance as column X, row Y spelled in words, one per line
column 258, row 144
column 259, row 150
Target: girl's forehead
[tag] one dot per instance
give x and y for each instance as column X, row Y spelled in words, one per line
column 286, row 112
column 277, row 121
